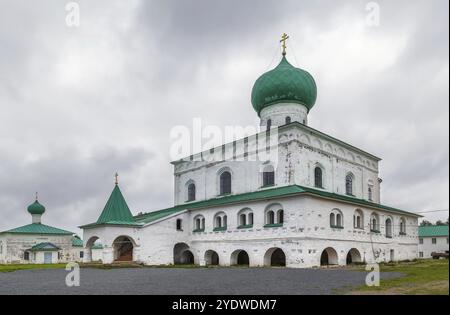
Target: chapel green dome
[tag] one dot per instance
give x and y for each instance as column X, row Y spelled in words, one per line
column 284, row 84
column 36, row 208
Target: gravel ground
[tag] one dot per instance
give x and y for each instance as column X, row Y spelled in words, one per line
column 201, row 281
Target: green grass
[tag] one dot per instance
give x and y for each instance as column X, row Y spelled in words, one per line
column 11, row 268
column 421, row 277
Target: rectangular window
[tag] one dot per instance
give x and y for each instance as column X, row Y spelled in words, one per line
column 81, row 254
column 268, row 179
column 421, row 254
column 179, row 225
column 421, row 241
column 433, row 241
column 26, row 256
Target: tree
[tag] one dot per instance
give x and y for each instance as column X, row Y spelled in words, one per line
column 425, row 223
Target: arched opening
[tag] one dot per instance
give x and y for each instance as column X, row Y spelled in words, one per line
column 225, row 183
column 268, row 176
column 179, row 225
column 329, row 257
column 191, row 192
column 280, row 216
column 245, row 218
column 388, row 228
column 374, row 223
column 275, row 257
column 90, row 252
column 199, row 223
column 349, row 184
column 353, row 256
column 211, row 258
column 182, row 255
column 338, row 220
column 250, row 218
column 402, row 226
column 288, row 120
column 270, row 217
column 358, row 219
column 123, row 249
column 318, row 182
column 240, row 258
column 218, row 222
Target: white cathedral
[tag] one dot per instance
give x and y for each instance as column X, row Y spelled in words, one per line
column 318, row 205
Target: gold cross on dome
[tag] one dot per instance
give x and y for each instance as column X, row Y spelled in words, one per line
column 117, row 178
column 283, row 40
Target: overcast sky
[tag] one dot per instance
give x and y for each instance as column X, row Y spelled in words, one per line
column 78, row 104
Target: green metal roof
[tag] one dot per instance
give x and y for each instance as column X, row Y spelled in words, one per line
column 116, row 209
column 44, row 247
column 77, row 242
column 433, row 230
column 284, row 191
column 284, row 84
column 36, row 228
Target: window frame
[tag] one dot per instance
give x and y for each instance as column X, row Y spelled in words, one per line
column 225, row 184
column 349, row 183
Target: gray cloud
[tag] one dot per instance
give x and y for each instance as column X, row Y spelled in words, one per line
column 78, row 104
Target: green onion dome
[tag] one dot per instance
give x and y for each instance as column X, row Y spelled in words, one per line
column 36, row 208
column 284, row 84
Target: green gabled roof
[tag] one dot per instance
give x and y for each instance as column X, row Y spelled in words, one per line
column 77, row 242
column 284, row 191
column 160, row 214
column 36, row 228
column 44, row 247
column 116, row 209
column 433, row 230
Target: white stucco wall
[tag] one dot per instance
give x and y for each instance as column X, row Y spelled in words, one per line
column 428, row 247
column 299, row 150
column 15, row 245
column 304, row 235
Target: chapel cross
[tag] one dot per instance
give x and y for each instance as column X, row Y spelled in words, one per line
column 283, row 40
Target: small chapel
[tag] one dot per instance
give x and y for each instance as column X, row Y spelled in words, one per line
column 37, row 243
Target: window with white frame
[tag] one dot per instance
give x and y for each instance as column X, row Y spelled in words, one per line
column 274, row 215
column 245, row 218
column 358, row 219
column 199, row 223
column 375, row 223
column 225, row 183
column 336, row 219
column 388, row 227
column 402, row 226
column 349, row 184
column 220, row 221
